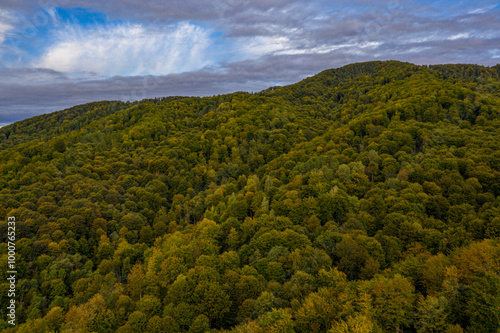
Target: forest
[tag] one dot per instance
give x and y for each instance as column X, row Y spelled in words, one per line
column 362, row 199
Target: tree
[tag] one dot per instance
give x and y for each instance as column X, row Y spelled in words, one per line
column 431, row 314
column 137, row 321
column 277, row 321
column 156, row 324
column 82, row 318
column 150, row 305
column 55, row 318
column 171, row 268
column 483, row 303
column 392, row 300
column 352, row 257
column 201, row 324
column 136, row 281
column 309, row 260
column 211, row 300
column 322, row 309
column 433, row 273
column 354, row 324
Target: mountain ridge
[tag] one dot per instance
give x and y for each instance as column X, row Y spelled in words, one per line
column 364, row 196
column 69, row 118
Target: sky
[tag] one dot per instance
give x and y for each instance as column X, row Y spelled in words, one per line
column 55, row 54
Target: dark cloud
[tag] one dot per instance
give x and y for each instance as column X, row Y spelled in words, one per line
column 154, row 10
column 30, row 75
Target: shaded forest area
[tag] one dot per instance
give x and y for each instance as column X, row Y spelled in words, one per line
column 362, row 199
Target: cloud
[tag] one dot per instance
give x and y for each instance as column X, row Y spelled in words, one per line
column 5, row 24
column 482, row 9
column 128, row 49
column 19, row 76
column 4, row 27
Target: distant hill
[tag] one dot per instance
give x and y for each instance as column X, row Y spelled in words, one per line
column 47, row 126
column 362, row 199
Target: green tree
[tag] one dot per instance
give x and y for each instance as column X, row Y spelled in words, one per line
column 483, row 303
column 201, row 324
column 392, row 300
column 322, row 309
column 431, row 314
column 211, row 300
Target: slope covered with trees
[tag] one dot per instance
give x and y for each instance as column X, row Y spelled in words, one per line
column 362, row 199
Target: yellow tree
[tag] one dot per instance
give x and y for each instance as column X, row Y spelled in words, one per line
column 136, row 282
column 392, row 300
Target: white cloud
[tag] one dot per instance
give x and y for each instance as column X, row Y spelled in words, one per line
column 262, row 45
column 128, row 50
column 459, row 36
column 4, row 25
column 416, row 49
column 482, row 10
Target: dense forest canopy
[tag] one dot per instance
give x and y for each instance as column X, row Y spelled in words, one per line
column 362, row 199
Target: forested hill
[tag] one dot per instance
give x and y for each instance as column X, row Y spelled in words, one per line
column 45, row 127
column 362, row 199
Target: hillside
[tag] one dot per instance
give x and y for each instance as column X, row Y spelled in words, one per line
column 362, row 199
